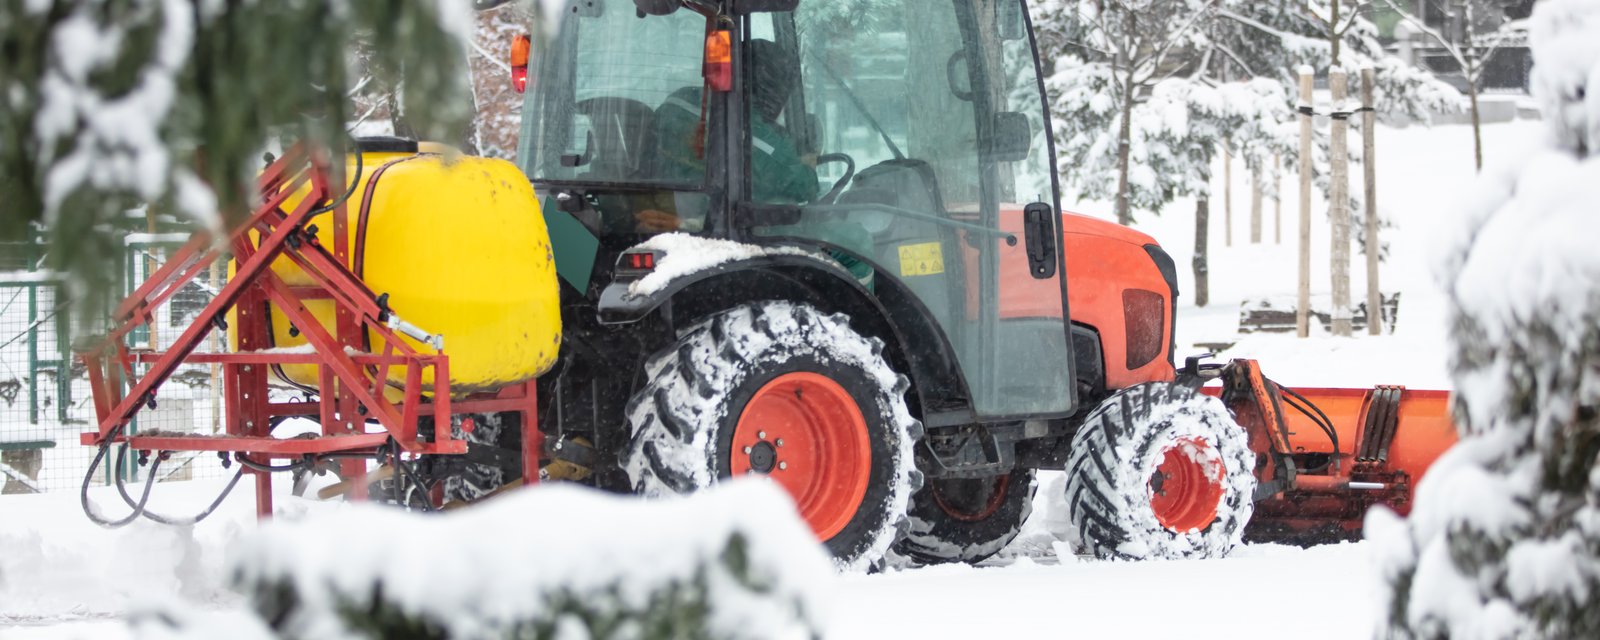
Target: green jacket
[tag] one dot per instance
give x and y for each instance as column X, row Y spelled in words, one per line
column 778, row 174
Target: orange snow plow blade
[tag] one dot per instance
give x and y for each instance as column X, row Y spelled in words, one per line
column 1328, row 455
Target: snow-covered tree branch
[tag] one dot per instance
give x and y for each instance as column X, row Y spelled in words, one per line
column 114, row 104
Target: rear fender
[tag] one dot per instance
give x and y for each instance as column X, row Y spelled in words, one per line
column 913, row 341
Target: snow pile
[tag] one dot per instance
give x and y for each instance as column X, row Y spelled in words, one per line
column 685, row 254
column 56, row 564
column 734, row 562
column 1505, row 537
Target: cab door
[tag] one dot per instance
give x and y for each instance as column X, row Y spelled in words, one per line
column 923, row 122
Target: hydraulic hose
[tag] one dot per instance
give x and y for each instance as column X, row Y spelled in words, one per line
column 1306, row 407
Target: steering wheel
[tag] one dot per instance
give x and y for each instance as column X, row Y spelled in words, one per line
column 849, row 173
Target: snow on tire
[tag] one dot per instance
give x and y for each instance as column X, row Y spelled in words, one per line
column 1159, row 470
column 780, row 389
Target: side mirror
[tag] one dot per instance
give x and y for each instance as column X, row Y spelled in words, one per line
column 1011, row 137
column 747, row 7
column 656, row 7
column 1008, row 17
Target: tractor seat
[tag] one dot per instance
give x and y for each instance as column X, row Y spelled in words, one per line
column 903, row 184
column 619, row 137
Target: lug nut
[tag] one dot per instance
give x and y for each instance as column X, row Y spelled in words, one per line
column 779, row 442
column 761, row 435
column 782, row 466
column 747, row 450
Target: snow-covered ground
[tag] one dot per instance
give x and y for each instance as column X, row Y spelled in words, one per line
column 61, row 577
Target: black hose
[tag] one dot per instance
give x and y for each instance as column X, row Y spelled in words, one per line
column 427, row 503
column 88, row 476
column 167, row 520
column 335, row 203
column 138, row 507
column 1315, row 414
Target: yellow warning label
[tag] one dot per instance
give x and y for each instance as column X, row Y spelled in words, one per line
column 921, row 259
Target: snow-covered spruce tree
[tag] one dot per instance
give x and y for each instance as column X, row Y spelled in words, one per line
column 1116, row 139
column 111, row 104
column 1504, row 539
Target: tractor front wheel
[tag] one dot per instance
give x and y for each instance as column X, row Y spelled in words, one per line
column 780, row 390
column 1159, row 470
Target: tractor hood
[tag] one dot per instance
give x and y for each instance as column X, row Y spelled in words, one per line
column 1085, row 225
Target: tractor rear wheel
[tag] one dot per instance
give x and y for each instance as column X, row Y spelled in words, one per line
column 1159, row 470
column 967, row 520
column 781, row 390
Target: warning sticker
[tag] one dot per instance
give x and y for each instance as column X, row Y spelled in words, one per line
column 921, row 259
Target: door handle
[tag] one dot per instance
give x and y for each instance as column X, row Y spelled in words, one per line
column 1041, row 240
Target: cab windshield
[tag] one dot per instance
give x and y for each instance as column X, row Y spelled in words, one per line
column 597, row 110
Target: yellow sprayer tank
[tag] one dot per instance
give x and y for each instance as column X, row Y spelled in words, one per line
column 460, row 246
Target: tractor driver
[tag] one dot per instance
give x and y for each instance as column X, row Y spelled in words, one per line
column 780, row 174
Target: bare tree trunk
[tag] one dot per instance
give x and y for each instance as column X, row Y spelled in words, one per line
column 1477, row 123
column 1339, row 206
column 1255, row 205
column 1227, row 194
column 1333, row 33
column 1472, row 73
column 1124, row 141
column 1202, row 240
column 1369, row 165
column 1302, row 317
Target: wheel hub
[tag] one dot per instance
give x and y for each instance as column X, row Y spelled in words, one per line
column 806, row 432
column 1186, row 487
column 763, row 457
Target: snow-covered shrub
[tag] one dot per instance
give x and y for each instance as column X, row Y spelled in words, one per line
column 1504, row 540
column 734, row 561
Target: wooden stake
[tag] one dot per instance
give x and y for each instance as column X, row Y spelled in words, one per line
column 1277, row 199
column 1339, row 204
column 1369, row 158
column 1255, row 205
column 1302, row 317
column 1202, row 267
column 1227, row 194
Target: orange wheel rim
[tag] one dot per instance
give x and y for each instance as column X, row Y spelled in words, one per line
column 1186, row 488
column 807, row 433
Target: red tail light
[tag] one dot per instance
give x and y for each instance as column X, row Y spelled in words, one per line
column 642, row 261
column 521, row 46
column 719, row 61
column 637, row 263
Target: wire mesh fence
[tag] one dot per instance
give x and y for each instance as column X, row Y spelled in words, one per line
column 45, row 402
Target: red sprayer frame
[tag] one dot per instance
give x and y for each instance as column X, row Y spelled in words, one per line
column 352, row 383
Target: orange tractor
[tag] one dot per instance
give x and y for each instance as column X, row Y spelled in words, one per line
column 799, row 239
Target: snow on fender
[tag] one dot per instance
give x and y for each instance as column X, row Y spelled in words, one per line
column 732, row 562
column 1159, row 470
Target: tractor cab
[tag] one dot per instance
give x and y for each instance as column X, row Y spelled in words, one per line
column 901, row 147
